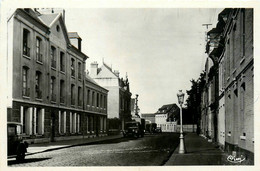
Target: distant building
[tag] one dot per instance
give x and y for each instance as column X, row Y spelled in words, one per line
column 46, row 80
column 166, row 117
column 149, row 117
column 119, row 95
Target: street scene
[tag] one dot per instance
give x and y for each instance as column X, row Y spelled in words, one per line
column 86, row 87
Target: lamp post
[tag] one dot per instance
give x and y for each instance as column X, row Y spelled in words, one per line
column 136, row 106
column 180, row 96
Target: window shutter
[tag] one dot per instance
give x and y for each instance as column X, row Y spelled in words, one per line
column 42, row 122
column 70, row 122
column 21, row 115
column 34, row 120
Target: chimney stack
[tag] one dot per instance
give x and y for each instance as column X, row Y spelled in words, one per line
column 93, row 69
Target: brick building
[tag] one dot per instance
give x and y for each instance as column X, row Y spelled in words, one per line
column 230, row 47
column 46, row 80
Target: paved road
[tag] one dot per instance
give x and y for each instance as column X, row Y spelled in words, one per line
column 152, row 150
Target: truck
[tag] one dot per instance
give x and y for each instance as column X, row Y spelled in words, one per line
column 135, row 128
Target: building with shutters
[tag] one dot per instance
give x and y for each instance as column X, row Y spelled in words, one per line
column 47, row 81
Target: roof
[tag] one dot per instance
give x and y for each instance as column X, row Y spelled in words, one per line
column 148, row 114
column 168, row 108
column 73, row 35
column 88, row 78
column 48, row 18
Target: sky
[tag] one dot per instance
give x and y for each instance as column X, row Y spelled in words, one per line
column 160, row 49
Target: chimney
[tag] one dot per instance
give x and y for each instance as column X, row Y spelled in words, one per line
column 116, row 72
column 93, row 69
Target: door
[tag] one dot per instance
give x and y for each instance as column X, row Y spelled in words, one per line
column 52, row 126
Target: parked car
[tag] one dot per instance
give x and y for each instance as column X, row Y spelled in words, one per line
column 158, row 130
column 16, row 145
column 133, row 128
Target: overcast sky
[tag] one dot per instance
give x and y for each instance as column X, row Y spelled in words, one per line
column 160, row 49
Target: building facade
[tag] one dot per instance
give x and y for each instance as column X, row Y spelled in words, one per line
column 46, row 79
column 230, row 47
column 119, row 95
column 166, row 117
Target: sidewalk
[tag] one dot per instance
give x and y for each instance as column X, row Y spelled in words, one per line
column 44, row 147
column 198, row 152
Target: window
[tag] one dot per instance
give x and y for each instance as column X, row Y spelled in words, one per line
column 242, row 104
column 26, row 90
column 62, row 122
column 79, row 71
column 53, row 57
column 52, row 89
column 243, row 17
column 101, row 101
column 93, row 98
column 88, row 97
column 75, row 124
column 97, row 99
column 26, row 49
column 38, row 50
column 105, row 101
column 62, row 62
column 79, row 97
column 62, row 89
column 38, row 91
column 72, row 67
column 72, row 94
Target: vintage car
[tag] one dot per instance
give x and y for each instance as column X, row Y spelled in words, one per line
column 16, row 145
column 133, row 129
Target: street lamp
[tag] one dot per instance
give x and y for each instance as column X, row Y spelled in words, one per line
column 180, row 96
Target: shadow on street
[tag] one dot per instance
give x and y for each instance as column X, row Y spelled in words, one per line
column 12, row 162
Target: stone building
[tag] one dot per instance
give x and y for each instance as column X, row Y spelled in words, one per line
column 46, row 79
column 166, row 117
column 230, row 47
column 119, row 95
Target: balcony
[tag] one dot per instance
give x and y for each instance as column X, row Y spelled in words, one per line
column 62, row 99
column 53, row 63
column 72, row 101
column 53, row 97
column 62, row 68
column 26, row 51
column 38, row 94
column 39, row 57
column 73, row 72
column 26, row 92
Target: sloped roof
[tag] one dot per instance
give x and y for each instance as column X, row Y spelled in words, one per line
column 148, row 114
column 73, row 35
column 88, row 78
column 32, row 14
column 48, row 18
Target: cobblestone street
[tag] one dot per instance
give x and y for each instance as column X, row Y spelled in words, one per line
column 150, row 150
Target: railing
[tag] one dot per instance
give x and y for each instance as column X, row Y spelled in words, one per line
column 72, row 101
column 39, row 57
column 53, row 97
column 62, row 99
column 26, row 92
column 26, row 51
column 53, row 63
column 72, row 72
column 62, row 68
column 38, row 94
